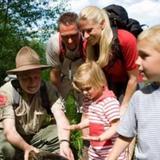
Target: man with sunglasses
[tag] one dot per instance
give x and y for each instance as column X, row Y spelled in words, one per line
column 65, row 53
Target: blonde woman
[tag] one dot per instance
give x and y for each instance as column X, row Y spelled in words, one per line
column 101, row 46
column 102, row 108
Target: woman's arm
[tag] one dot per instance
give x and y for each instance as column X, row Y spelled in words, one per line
column 128, row 45
column 130, row 89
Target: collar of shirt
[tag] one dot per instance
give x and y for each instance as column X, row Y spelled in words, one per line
column 106, row 93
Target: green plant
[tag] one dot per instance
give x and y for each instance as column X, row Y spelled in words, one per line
column 74, row 117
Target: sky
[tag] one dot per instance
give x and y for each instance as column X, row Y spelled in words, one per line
column 145, row 11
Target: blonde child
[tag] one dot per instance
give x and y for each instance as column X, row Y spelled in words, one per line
column 102, row 110
column 142, row 118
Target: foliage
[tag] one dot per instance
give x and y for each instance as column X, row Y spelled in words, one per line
column 30, row 23
column 25, row 22
column 74, row 118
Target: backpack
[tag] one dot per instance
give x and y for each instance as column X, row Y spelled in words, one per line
column 118, row 17
column 43, row 92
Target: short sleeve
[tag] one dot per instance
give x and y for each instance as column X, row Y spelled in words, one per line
column 59, row 103
column 8, row 112
column 111, row 109
column 127, row 126
column 85, row 105
column 53, row 51
column 128, row 45
column 6, row 94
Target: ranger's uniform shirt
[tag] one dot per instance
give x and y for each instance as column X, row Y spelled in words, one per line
column 29, row 115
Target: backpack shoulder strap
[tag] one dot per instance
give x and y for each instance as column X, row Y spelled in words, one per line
column 61, row 49
column 45, row 98
column 83, row 45
column 16, row 86
column 43, row 92
column 16, row 92
column 116, row 48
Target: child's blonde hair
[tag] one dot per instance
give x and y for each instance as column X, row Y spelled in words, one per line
column 89, row 74
column 152, row 35
column 99, row 16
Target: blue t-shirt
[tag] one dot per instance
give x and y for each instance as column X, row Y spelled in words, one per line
column 142, row 119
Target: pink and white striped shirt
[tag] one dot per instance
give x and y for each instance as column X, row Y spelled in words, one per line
column 101, row 113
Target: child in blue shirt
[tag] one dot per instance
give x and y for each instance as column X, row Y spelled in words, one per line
column 142, row 117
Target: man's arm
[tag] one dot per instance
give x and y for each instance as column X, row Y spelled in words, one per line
column 15, row 139
column 61, row 122
column 63, row 134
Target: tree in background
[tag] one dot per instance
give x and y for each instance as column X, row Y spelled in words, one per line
column 26, row 22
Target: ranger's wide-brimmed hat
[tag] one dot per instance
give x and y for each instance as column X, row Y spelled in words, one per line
column 27, row 59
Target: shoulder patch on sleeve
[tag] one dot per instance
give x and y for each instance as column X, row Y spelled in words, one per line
column 3, row 99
